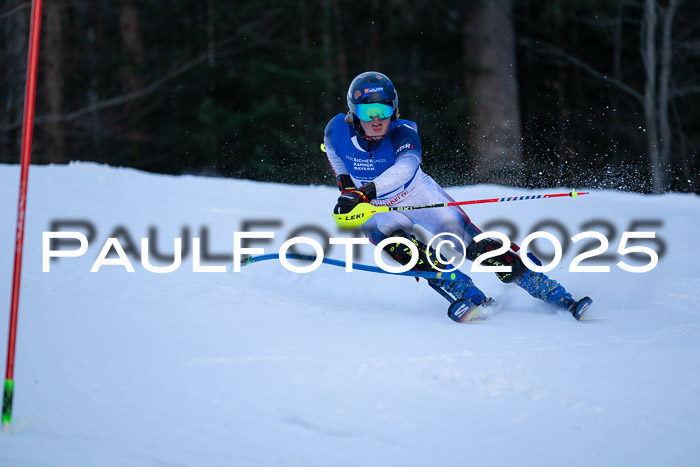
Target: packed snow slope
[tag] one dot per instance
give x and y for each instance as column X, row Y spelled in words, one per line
column 268, row 367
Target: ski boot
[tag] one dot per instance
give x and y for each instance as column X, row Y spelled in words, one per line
column 460, row 288
column 535, row 283
column 466, row 300
column 550, row 291
column 460, row 291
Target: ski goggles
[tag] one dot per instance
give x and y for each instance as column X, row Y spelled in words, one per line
column 367, row 112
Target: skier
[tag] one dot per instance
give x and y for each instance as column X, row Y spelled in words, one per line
column 376, row 158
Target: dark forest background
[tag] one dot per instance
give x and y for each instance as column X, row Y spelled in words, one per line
column 594, row 93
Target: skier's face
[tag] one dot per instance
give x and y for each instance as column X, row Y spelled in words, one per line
column 376, row 127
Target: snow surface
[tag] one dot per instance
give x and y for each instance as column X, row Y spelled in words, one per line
column 267, row 367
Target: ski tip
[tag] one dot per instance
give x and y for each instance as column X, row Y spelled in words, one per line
column 462, row 310
column 579, row 308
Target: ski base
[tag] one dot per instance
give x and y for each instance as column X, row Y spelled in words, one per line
column 580, row 307
column 463, row 311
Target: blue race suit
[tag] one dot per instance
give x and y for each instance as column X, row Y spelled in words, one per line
column 393, row 164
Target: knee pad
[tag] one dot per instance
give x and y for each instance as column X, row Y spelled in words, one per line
column 403, row 255
column 399, row 251
column 518, row 269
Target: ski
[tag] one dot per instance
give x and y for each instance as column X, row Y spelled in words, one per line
column 578, row 308
column 463, row 311
column 459, row 310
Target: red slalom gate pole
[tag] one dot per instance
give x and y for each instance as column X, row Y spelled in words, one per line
column 27, row 129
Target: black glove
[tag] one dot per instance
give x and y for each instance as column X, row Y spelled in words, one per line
column 352, row 197
column 345, row 182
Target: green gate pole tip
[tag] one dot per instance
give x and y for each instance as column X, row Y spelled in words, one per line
column 7, row 405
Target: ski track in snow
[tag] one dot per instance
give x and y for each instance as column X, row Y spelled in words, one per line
column 268, row 367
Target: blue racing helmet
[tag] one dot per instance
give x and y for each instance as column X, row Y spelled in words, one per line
column 372, row 94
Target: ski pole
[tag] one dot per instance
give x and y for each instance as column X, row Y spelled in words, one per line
column 360, row 267
column 363, row 211
column 27, row 131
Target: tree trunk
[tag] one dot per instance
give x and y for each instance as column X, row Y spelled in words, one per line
column 490, row 49
column 341, row 56
column 94, row 31
column 613, row 95
column 211, row 34
column 328, row 62
column 648, row 45
column 132, row 48
column 15, row 37
column 374, row 46
column 303, row 24
column 665, row 66
column 53, row 81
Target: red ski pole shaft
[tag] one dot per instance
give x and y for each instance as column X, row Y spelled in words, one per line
column 513, row 246
column 363, row 211
column 27, row 130
column 572, row 194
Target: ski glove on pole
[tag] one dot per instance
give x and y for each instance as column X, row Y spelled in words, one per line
column 345, row 182
column 352, row 196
